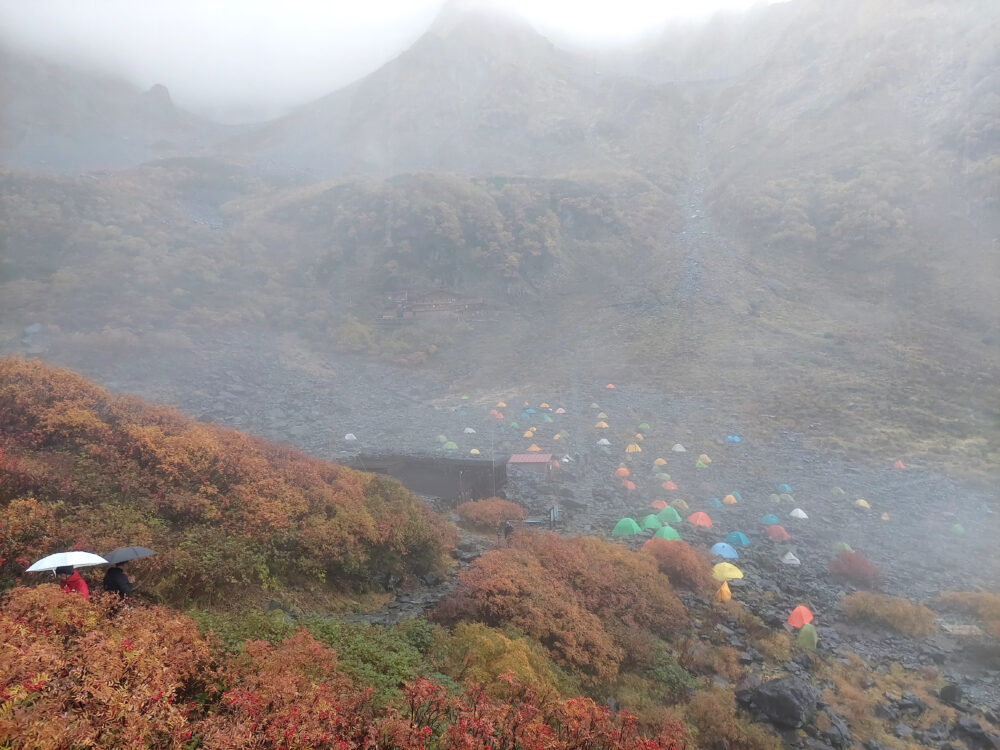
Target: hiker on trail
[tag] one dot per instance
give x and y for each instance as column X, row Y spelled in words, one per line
column 71, row 582
column 506, row 529
column 117, row 581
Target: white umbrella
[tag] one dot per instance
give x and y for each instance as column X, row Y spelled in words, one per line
column 74, row 558
column 124, row 554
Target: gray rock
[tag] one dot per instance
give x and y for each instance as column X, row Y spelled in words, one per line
column 902, row 731
column 788, row 701
column 838, row 735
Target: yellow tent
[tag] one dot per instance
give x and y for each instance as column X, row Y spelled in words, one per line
column 723, row 594
column 602, row 415
column 704, row 458
column 660, row 462
column 474, row 452
column 533, row 448
column 726, row 572
column 528, row 434
column 501, row 405
column 633, row 448
column 639, row 437
column 557, row 436
column 861, row 503
column 601, row 425
column 729, row 500
column 543, row 405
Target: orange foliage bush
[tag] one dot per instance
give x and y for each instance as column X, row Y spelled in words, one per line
column 80, row 674
column 225, row 511
column 684, row 565
column 982, row 603
column 856, row 568
column 510, row 587
column 914, row 620
column 489, row 513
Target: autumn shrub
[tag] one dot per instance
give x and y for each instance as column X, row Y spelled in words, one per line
column 914, row 620
column 75, row 673
column 624, row 589
column 510, row 587
column 476, row 655
column 855, row 567
column 684, row 565
column 229, row 514
column 704, row 658
column 981, row 603
column 713, row 716
column 488, row 514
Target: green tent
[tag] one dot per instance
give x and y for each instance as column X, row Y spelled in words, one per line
column 774, row 497
column 786, row 498
column 651, row 522
column 701, row 465
column 626, row 527
column 958, row 529
column 644, row 426
column 839, row 547
column 669, row 515
column 807, row 637
column 666, row 532
column 450, row 446
column 661, row 476
column 546, row 418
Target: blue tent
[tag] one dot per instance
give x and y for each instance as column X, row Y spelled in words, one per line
column 725, row 551
column 770, row 520
column 738, row 537
column 715, row 502
column 732, row 438
column 785, row 488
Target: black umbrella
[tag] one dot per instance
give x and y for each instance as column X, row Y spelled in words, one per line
column 124, row 554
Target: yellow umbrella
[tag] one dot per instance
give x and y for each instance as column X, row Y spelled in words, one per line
column 726, row 572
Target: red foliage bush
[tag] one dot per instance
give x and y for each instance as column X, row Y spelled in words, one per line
column 227, row 512
column 856, row 568
column 489, row 513
column 75, row 673
column 680, row 562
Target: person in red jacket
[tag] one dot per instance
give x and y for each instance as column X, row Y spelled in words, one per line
column 71, row 582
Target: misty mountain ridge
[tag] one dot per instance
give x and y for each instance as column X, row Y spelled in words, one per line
column 799, row 205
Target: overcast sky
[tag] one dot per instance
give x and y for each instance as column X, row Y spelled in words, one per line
column 241, row 59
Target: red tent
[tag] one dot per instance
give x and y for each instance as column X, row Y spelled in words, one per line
column 628, row 485
column 621, row 471
column 658, row 504
column 799, row 616
column 700, row 518
column 778, row 533
column 899, row 465
column 669, row 485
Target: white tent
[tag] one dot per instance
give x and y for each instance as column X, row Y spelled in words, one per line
column 798, row 513
column 469, row 431
column 790, row 559
column 678, row 448
column 350, row 437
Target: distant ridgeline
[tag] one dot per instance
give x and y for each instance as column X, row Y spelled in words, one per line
column 229, row 514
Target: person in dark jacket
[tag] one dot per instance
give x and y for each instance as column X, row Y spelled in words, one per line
column 71, row 582
column 117, row 581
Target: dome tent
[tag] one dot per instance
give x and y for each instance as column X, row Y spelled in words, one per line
column 799, row 616
column 626, row 527
column 799, row 513
column 350, row 437
column 770, row 519
column 725, row 551
column 651, row 522
column 450, row 446
column 738, row 538
column 778, row 533
column 666, row 532
column 807, row 638
column 790, row 559
column 726, row 572
column 700, row 518
column 669, row 515
column 658, row 504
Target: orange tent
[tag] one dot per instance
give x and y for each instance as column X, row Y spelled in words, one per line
column 658, row 504
column 899, row 465
column 628, row 485
column 700, row 518
column 621, row 471
column 778, row 533
column 723, row 594
column 602, row 425
column 501, row 405
column 660, row 462
column 533, row 448
column 799, row 616
column 610, row 386
column 729, row 500
column 669, row 485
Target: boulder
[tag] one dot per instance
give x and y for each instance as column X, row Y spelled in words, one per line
column 787, row 701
